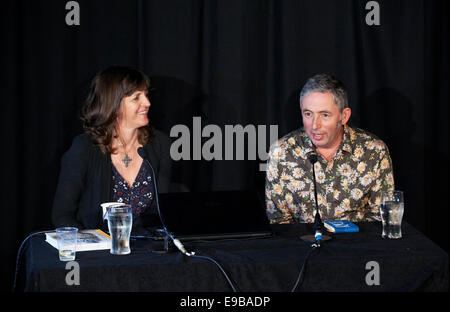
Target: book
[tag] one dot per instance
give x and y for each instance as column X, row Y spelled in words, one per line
column 86, row 240
column 340, row 226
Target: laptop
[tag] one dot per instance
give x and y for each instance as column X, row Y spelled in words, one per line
column 214, row 215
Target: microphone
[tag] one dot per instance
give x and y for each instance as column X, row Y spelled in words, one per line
column 143, row 153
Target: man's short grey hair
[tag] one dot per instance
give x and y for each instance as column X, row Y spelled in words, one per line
column 326, row 83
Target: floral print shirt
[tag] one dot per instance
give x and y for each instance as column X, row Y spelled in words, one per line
column 349, row 186
column 140, row 195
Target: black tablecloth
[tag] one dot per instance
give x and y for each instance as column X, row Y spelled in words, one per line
column 413, row 263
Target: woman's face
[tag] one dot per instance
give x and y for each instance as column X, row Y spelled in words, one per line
column 134, row 110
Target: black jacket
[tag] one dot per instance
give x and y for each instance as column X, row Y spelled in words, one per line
column 86, row 176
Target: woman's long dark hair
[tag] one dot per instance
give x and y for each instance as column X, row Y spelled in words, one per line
column 100, row 110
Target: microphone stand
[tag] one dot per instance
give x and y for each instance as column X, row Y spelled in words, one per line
column 318, row 224
column 317, row 220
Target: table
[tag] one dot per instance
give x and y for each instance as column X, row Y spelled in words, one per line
column 360, row 261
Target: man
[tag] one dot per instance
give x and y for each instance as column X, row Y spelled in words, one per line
column 353, row 167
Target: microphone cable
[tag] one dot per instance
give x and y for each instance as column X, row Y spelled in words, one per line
column 313, row 247
column 176, row 241
column 220, row 267
column 19, row 254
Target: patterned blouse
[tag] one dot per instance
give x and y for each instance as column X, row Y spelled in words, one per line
column 140, row 195
column 349, row 186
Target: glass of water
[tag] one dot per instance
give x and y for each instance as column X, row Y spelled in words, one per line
column 391, row 211
column 120, row 221
column 67, row 242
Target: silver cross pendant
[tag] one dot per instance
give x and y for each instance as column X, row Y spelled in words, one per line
column 126, row 160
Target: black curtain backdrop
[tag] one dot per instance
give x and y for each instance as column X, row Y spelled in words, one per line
column 228, row 62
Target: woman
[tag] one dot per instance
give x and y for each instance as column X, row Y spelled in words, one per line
column 103, row 165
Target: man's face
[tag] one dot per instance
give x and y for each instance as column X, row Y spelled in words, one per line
column 322, row 119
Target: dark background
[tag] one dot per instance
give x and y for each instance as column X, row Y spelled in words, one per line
column 229, row 62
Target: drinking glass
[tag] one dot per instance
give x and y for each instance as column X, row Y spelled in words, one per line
column 391, row 211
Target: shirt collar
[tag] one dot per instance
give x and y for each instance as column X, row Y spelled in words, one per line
column 304, row 141
column 348, row 139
